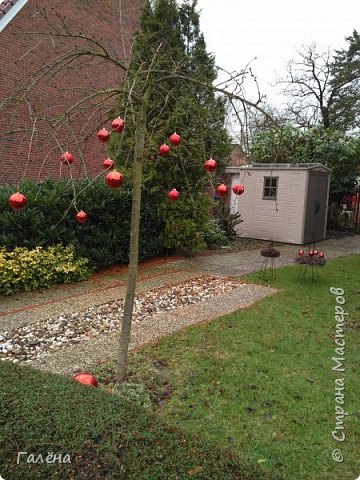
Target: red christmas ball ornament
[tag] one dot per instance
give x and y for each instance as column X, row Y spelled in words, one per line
column 173, row 195
column 118, row 125
column 210, row 165
column 164, row 150
column 301, row 253
column 81, row 216
column 238, row 189
column 114, row 179
column 175, row 139
column 315, row 252
column 103, row 135
column 321, row 254
column 67, row 158
column 222, row 189
column 17, row 201
column 108, row 164
column 86, row 379
column 311, row 253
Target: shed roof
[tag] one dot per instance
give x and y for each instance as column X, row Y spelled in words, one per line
column 279, row 166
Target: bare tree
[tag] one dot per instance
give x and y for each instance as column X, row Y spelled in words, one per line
column 308, row 87
column 140, row 80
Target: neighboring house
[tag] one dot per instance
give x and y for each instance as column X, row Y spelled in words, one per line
column 27, row 46
column 282, row 202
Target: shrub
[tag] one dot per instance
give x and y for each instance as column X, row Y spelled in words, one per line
column 49, row 219
column 227, row 221
column 185, row 222
column 105, row 436
column 24, row 269
column 213, row 235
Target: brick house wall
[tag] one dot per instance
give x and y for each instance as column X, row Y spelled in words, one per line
column 26, row 46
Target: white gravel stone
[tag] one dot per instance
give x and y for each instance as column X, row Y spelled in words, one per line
column 35, row 340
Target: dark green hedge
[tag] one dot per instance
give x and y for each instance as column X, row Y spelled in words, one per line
column 106, row 437
column 104, row 239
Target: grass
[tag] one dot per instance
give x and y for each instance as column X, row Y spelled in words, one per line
column 259, row 382
column 248, row 396
column 105, row 436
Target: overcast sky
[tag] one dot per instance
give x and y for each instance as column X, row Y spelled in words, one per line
column 236, row 31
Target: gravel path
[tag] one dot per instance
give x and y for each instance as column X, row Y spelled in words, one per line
column 71, row 328
column 80, row 357
column 36, row 340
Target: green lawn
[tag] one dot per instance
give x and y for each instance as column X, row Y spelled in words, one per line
column 259, row 382
column 248, row 396
column 105, row 436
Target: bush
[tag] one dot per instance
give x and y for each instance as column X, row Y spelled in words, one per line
column 214, row 236
column 24, row 269
column 228, row 221
column 105, row 436
column 49, row 219
column 185, row 222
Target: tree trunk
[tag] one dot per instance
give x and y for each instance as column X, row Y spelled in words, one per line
column 140, row 131
column 325, row 117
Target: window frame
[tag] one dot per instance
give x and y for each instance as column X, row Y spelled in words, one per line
column 270, row 186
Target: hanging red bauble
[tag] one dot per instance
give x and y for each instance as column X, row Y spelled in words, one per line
column 108, row 164
column 67, row 158
column 311, row 253
column 315, row 252
column 173, row 195
column 175, row 139
column 321, row 254
column 222, row 189
column 301, row 253
column 86, row 379
column 238, row 189
column 118, row 125
column 210, row 165
column 103, row 135
column 114, row 179
column 17, row 201
column 164, row 150
column 81, row 216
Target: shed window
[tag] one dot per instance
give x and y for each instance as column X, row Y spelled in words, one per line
column 270, row 188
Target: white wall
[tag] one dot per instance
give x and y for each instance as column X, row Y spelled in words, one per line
column 280, row 220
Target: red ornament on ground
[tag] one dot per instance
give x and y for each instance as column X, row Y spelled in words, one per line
column 67, row 158
column 103, row 135
column 164, row 150
column 81, row 216
column 301, row 253
column 118, row 125
column 173, row 195
column 175, row 139
column 321, row 254
column 17, row 201
column 86, row 379
column 210, row 165
column 114, row 179
column 222, row 189
column 238, row 189
column 108, row 163
column 311, row 253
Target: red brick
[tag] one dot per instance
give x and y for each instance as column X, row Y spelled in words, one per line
column 23, row 54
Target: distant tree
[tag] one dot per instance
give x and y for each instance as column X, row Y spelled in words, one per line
column 334, row 149
column 345, row 82
column 308, row 87
column 325, row 89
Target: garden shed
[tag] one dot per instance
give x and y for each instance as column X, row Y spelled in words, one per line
column 281, row 202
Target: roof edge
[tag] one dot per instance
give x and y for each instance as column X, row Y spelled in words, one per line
column 6, row 18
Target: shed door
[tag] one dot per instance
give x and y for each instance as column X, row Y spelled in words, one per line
column 315, row 215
